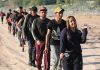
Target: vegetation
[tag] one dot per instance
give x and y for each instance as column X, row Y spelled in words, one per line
column 74, row 5
column 40, row 2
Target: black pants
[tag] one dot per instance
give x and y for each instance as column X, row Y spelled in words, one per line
column 32, row 51
column 73, row 62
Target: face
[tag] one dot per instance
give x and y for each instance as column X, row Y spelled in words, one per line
column 33, row 12
column 72, row 23
column 59, row 15
column 29, row 11
column 20, row 10
column 43, row 13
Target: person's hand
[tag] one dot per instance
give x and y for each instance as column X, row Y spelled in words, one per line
column 62, row 56
column 24, row 37
column 85, row 30
column 40, row 42
column 46, row 50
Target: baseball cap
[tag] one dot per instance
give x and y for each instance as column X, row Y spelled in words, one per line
column 58, row 9
column 42, row 8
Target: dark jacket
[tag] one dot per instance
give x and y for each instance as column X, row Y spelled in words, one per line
column 39, row 29
column 70, row 41
column 27, row 26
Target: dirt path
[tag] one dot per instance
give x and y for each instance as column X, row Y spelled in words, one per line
column 12, row 58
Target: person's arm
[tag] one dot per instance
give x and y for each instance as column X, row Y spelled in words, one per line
column 24, row 27
column 7, row 16
column 19, row 23
column 47, row 40
column 84, row 35
column 35, row 31
column 48, row 36
column 63, row 42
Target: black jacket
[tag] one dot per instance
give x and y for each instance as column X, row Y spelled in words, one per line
column 39, row 29
column 27, row 26
column 70, row 41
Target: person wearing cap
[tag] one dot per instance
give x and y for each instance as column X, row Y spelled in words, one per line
column 54, row 29
column 39, row 29
column 27, row 33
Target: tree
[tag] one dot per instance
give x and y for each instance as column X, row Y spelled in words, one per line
column 67, row 1
column 58, row 1
column 98, row 2
column 38, row 2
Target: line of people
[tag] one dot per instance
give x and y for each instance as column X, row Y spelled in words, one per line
column 57, row 39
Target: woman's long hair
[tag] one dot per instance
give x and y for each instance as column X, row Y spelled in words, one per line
column 73, row 18
column 69, row 28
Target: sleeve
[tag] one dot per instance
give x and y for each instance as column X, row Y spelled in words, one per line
column 17, row 18
column 84, row 35
column 25, row 25
column 63, row 41
column 34, row 31
column 7, row 16
column 50, row 24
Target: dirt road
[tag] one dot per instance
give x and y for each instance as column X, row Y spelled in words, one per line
column 12, row 58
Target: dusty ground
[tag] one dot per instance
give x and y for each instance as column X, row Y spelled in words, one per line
column 11, row 57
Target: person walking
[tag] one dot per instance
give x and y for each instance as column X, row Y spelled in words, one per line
column 2, row 14
column 8, row 18
column 54, row 29
column 70, row 48
column 19, row 23
column 27, row 33
column 39, row 29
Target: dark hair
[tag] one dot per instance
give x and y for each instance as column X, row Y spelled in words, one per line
column 20, row 7
column 68, row 27
column 10, row 10
column 34, row 8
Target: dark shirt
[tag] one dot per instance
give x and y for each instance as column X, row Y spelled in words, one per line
column 70, row 41
column 8, row 15
column 39, row 29
column 16, row 16
column 56, row 31
column 27, row 26
column 19, row 17
column 2, row 14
